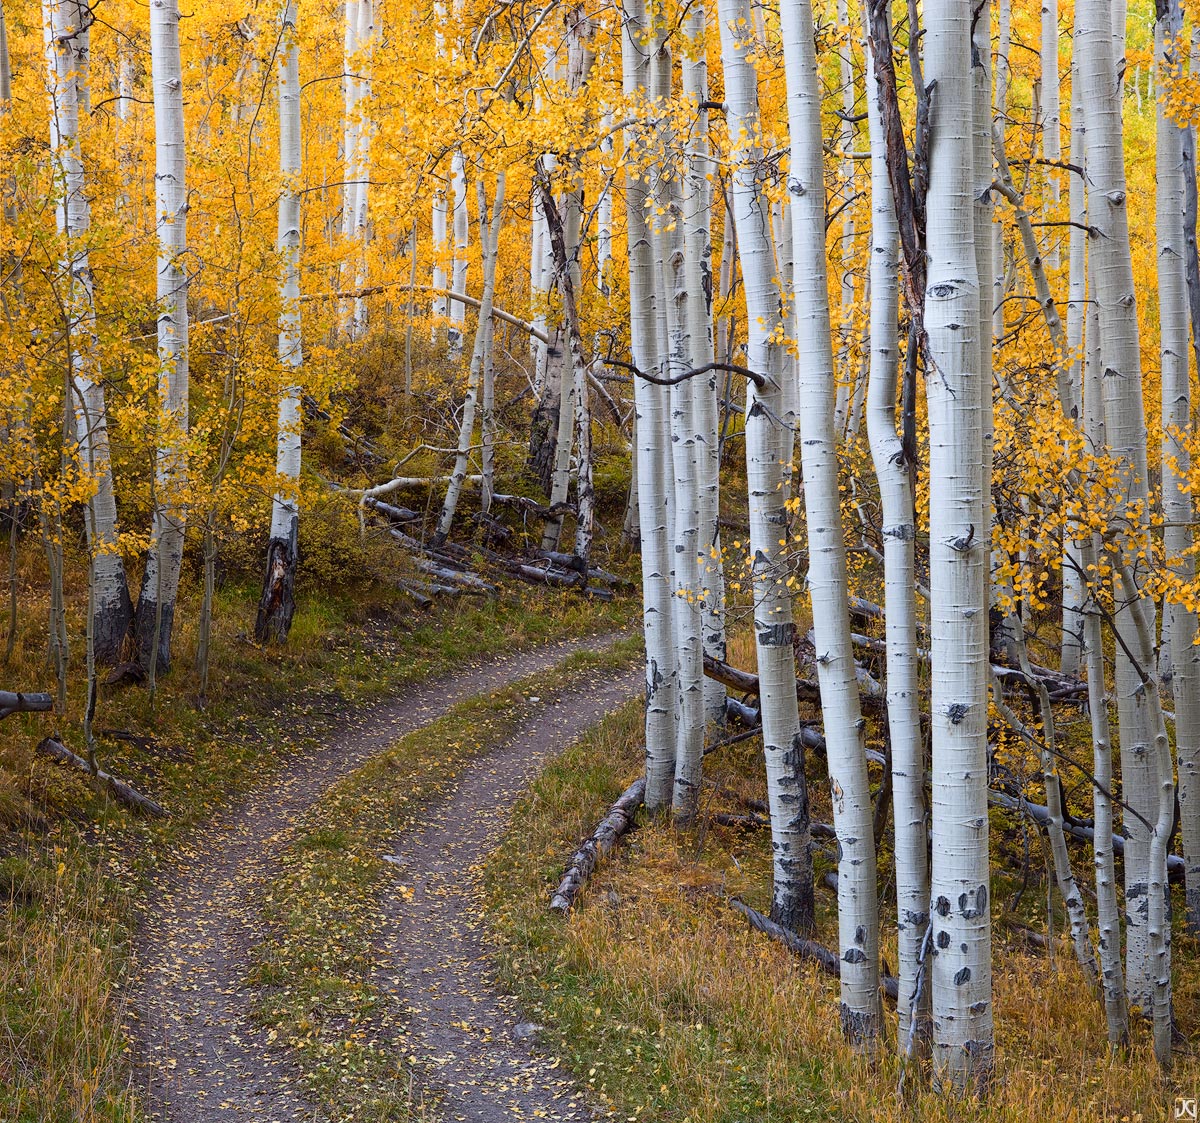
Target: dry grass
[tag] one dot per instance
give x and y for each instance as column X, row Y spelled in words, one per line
column 673, row 1010
column 72, row 865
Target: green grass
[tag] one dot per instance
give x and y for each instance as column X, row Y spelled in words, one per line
column 73, row 867
column 315, row 968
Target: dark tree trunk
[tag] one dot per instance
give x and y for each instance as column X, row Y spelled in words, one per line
column 278, row 603
column 111, row 627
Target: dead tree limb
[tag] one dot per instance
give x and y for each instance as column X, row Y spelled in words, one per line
column 118, row 789
column 601, row 842
column 17, row 703
column 805, row 949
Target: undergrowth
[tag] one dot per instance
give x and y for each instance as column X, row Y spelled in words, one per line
column 673, row 1010
column 74, row 867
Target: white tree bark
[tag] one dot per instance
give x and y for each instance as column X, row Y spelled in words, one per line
column 1108, row 916
column 277, row 606
column 999, row 117
column 462, row 237
column 958, row 552
column 858, row 906
column 489, row 241
column 1121, row 386
column 791, row 903
column 1178, row 622
column 654, row 498
column 900, row 611
column 160, row 583
column 112, row 610
column 1051, row 122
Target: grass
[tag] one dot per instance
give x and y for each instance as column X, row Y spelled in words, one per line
column 315, row 970
column 672, row 1010
column 73, row 866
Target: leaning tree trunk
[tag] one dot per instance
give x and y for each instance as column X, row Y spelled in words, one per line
column 650, row 436
column 112, row 608
column 792, row 899
column 961, row 972
column 278, row 603
column 160, row 583
column 858, row 906
column 1125, row 423
column 895, row 475
column 489, row 240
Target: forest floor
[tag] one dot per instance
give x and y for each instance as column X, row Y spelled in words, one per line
column 204, row 1052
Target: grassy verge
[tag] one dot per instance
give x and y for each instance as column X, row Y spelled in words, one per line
column 673, row 1011
column 316, row 970
column 72, row 866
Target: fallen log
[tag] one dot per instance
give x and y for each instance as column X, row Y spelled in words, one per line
column 602, row 840
column 393, row 514
column 805, row 949
column 1039, row 814
column 15, row 702
column 468, row 581
column 118, row 789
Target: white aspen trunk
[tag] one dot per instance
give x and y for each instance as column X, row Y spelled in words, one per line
column 1074, row 590
column 858, row 906
column 462, row 235
column 1108, row 916
column 792, row 900
column 697, row 235
column 680, row 288
column 1051, row 123
column 654, row 498
column 1178, row 539
column 112, row 609
column 1121, row 386
column 963, row 1041
column 362, row 213
column 277, row 606
column 900, row 611
column 844, row 419
column 440, row 250
column 1000, row 114
column 350, row 96
column 604, row 211
column 489, row 242
column 160, row 583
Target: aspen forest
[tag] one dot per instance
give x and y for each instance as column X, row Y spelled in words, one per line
column 570, row 560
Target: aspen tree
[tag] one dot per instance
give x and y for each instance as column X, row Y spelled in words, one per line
column 1051, row 120
column 858, row 909
column 792, row 898
column 1178, row 623
column 1113, row 291
column 958, row 551
column 111, row 607
column 160, row 583
column 489, row 240
column 654, row 500
column 277, row 605
column 894, row 472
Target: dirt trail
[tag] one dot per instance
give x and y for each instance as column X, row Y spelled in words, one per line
column 202, row 1058
column 475, row 1056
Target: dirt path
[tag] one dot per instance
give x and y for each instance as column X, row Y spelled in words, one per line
column 474, row 1056
column 202, row 1058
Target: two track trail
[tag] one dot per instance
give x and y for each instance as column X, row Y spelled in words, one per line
column 202, row 1058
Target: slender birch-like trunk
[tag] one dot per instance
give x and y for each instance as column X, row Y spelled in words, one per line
column 1051, row 122
column 844, row 418
column 1108, row 916
column 160, row 583
column 277, row 605
column 112, row 608
column 1074, row 586
column 697, row 237
column 362, row 213
column 858, row 906
column 350, row 152
column 653, row 457
column 461, row 221
column 792, row 899
column 1000, row 121
column 489, row 241
column 958, row 553
column 1125, row 424
column 900, row 611
column 1179, row 623
column 440, row 219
